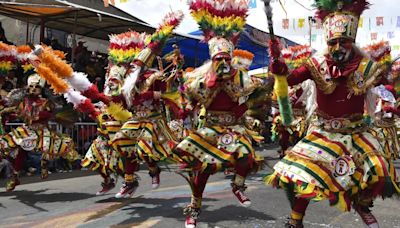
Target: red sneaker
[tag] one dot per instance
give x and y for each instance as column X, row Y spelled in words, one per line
column 239, row 193
column 155, row 181
column 367, row 217
column 106, row 187
column 127, row 190
column 190, row 222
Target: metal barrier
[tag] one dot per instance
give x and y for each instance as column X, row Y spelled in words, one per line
column 83, row 133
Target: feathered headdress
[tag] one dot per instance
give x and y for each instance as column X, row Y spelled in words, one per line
column 157, row 40
column 221, row 22
column 7, row 58
column 124, row 47
column 24, row 53
column 340, row 17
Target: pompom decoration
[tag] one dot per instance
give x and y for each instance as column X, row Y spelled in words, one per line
column 124, row 47
column 59, row 66
column 225, row 18
column 7, row 58
column 164, row 31
column 118, row 112
column 379, row 52
column 242, row 59
column 295, row 56
column 58, row 85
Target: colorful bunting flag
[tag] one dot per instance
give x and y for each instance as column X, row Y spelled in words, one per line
column 379, row 21
column 398, row 21
column 300, row 22
column 374, row 35
column 285, row 23
column 390, row 35
column 314, row 37
column 108, row 2
column 253, row 4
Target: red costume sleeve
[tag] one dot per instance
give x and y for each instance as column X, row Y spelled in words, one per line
column 299, row 75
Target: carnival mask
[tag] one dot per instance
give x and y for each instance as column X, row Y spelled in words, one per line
column 340, row 49
column 222, row 66
column 34, row 89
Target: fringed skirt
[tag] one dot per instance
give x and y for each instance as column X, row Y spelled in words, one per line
column 215, row 148
column 337, row 167
column 103, row 157
column 49, row 143
column 145, row 139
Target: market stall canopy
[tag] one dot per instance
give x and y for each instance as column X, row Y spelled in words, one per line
column 86, row 17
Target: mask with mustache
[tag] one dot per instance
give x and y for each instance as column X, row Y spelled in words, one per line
column 222, row 67
column 340, row 49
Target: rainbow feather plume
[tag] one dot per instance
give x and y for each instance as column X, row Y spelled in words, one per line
column 8, row 58
column 164, row 31
column 126, row 46
column 24, row 52
column 225, row 18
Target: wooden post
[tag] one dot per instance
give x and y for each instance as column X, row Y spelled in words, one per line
column 42, row 28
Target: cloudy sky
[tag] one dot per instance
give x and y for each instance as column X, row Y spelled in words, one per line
column 152, row 12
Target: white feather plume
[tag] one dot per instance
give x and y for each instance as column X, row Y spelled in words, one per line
column 129, row 86
column 79, row 81
column 74, row 97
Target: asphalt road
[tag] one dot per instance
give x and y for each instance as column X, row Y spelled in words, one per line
column 71, row 202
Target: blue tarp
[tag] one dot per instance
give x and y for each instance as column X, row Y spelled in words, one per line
column 251, row 39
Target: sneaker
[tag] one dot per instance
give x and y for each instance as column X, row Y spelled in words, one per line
column 227, row 172
column 367, row 217
column 292, row 223
column 243, row 199
column 44, row 174
column 106, row 187
column 190, row 222
column 11, row 184
column 127, row 190
column 155, row 181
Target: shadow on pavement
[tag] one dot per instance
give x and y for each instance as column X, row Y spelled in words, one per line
column 31, row 198
column 141, row 209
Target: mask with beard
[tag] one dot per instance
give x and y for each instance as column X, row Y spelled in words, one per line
column 222, row 66
column 340, row 49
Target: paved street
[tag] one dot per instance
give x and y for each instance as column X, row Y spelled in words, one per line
column 71, row 202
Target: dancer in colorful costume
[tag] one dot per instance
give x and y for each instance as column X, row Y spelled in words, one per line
column 384, row 111
column 339, row 159
column 145, row 136
column 258, row 109
column 101, row 156
column 36, row 111
column 221, row 92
